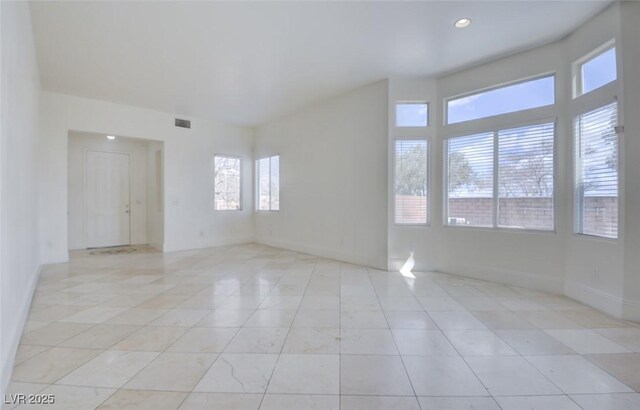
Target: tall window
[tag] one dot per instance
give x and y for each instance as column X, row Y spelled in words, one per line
column 525, row 177
column 502, row 100
column 411, row 196
column 470, row 180
column 503, row 178
column 268, row 183
column 227, row 183
column 596, row 160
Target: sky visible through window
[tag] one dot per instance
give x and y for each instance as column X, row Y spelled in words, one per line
column 512, row 98
column 412, row 114
column 599, row 71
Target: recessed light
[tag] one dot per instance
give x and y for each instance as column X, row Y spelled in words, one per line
column 462, row 23
column 110, row 137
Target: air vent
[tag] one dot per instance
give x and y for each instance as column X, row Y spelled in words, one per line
column 183, row 123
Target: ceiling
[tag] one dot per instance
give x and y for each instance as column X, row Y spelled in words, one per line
column 248, row 63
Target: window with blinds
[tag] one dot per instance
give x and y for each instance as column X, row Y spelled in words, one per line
column 525, row 177
column 227, row 183
column 470, row 180
column 503, row 178
column 268, row 177
column 596, row 161
column 411, row 182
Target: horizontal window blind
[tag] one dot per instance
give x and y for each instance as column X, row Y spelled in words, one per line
column 227, row 183
column 263, row 184
column 274, row 173
column 525, row 177
column 470, row 180
column 268, row 183
column 411, row 196
column 596, row 160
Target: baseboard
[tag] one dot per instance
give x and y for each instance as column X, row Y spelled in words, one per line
column 322, row 252
column 509, row 277
column 595, row 298
column 14, row 339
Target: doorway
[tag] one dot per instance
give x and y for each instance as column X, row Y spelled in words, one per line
column 115, row 191
column 107, row 199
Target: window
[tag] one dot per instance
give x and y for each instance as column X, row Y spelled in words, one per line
column 269, row 183
column 597, row 71
column 227, row 182
column 511, row 98
column 515, row 165
column 525, row 177
column 596, row 160
column 412, row 115
column 470, row 180
column 411, row 198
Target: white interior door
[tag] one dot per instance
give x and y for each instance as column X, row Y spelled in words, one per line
column 106, row 199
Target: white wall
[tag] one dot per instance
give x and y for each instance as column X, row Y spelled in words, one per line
column 79, row 143
column 333, row 164
column 155, row 194
column 189, row 219
column 20, row 259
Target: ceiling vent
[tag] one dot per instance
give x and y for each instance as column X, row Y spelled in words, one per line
column 183, row 123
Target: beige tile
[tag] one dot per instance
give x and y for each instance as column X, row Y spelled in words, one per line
column 367, row 341
column 300, row 401
column 143, row 400
column 317, row 318
column 423, row 343
column 624, row 401
column 238, row 373
column 306, row 374
column 54, row 334
column 409, row 319
column 74, row 397
column 151, row 339
column 510, row 376
column 26, row 352
column 109, row 369
column 226, row 318
column 363, row 319
column 52, row 364
column 548, row 319
column 378, row 403
column 100, row 336
column 456, row 320
column 312, row 340
column 180, row 317
column 271, row 318
column 537, row 403
column 533, row 342
column 227, row 401
column 204, row 340
column 628, row 337
column 624, row 367
column 173, row 372
column 459, row 403
column 575, row 375
column 443, row 376
column 586, row 341
column 478, row 343
column 258, row 340
column 136, row 316
column 373, row 375
column 97, row 314
column 503, row 320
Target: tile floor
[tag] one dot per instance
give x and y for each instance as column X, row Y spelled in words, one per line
column 253, row 327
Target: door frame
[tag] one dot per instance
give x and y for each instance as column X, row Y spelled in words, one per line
column 84, row 193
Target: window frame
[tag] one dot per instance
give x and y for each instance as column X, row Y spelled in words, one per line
column 578, row 75
column 257, row 176
column 578, row 197
column 495, row 130
column 428, row 176
column 240, row 185
column 445, row 108
column 407, row 102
